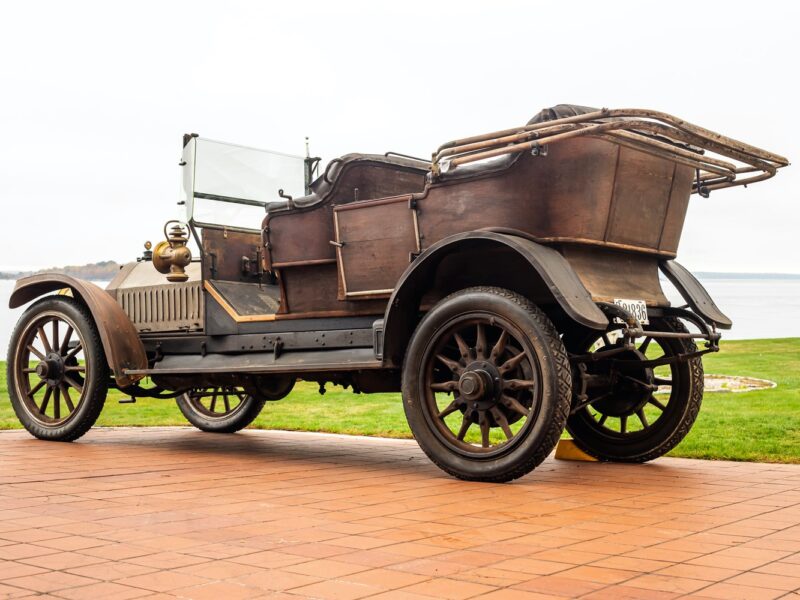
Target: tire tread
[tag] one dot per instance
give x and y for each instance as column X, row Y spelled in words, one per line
column 562, row 401
column 242, row 420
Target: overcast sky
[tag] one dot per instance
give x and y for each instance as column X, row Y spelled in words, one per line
column 94, row 99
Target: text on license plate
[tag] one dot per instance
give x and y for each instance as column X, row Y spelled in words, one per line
column 636, row 307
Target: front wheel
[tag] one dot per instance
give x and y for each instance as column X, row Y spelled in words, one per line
column 486, row 385
column 57, row 370
column 222, row 409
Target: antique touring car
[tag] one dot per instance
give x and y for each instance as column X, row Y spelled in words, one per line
column 509, row 287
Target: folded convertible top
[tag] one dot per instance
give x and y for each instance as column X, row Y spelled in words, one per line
column 719, row 160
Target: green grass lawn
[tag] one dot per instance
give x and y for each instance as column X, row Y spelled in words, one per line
column 755, row 426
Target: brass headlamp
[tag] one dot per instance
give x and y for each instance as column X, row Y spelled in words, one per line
column 171, row 256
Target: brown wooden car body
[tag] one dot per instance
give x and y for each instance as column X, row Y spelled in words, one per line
column 331, row 286
column 509, row 288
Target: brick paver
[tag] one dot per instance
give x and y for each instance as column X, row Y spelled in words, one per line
column 173, row 512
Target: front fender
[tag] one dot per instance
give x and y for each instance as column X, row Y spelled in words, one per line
column 547, row 266
column 121, row 343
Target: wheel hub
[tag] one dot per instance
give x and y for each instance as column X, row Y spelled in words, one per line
column 475, row 385
column 479, row 385
column 51, row 369
column 626, row 388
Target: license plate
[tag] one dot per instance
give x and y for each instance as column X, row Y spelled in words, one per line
column 636, row 307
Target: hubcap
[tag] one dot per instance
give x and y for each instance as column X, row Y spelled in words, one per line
column 51, row 369
column 476, row 385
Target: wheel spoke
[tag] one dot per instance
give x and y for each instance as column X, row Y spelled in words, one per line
column 74, row 351
column 56, row 344
column 662, row 381
column 623, row 424
column 502, row 421
column 65, row 392
column 499, row 347
column 73, row 383
column 480, row 342
column 463, row 347
column 45, row 342
column 76, row 368
column 645, row 344
column 600, row 397
column 450, row 408
column 518, row 384
column 638, row 382
column 657, row 403
column 642, row 418
column 46, row 399
column 445, row 386
column 465, row 424
column 36, row 388
column 226, row 401
column 483, row 422
column 606, row 341
column 513, row 404
column 65, row 342
column 56, row 403
column 38, row 354
column 512, row 363
column 603, row 418
column 451, row 364
column 213, row 401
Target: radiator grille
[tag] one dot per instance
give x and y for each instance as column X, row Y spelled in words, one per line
column 171, row 307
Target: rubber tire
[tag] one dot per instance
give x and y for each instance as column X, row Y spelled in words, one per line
column 555, row 374
column 669, row 433
column 241, row 418
column 91, row 406
column 281, row 387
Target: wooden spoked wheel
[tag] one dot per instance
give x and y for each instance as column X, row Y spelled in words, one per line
column 635, row 412
column 483, row 388
column 217, row 402
column 486, row 384
column 220, row 409
column 50, row 368
column 57, row 372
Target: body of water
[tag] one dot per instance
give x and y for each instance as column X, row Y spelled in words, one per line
column 759, row 308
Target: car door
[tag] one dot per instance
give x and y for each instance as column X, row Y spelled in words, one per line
column 375, row 242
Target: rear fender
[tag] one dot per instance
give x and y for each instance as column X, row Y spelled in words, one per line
column 694, row 293
column 542, row 268
column 121, row 343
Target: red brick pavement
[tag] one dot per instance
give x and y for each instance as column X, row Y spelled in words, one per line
column 175, row 513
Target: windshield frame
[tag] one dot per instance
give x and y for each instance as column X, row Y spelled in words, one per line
column 189, row 178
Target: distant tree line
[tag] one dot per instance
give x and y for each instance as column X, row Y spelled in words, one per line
column 99, row 271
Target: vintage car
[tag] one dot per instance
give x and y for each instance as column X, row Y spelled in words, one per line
column 509, row 288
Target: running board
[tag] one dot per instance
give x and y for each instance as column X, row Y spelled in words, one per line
column 350, row 359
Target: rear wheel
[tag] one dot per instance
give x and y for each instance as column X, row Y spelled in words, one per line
column 222, row 409
column 637, row 413
column 57, row 370
column 486, row 385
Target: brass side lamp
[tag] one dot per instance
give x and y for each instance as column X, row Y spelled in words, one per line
column 171, row 256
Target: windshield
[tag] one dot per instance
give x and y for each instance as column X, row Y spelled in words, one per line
column 227, row 184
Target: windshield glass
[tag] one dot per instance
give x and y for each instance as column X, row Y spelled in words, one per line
column 227, row 184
